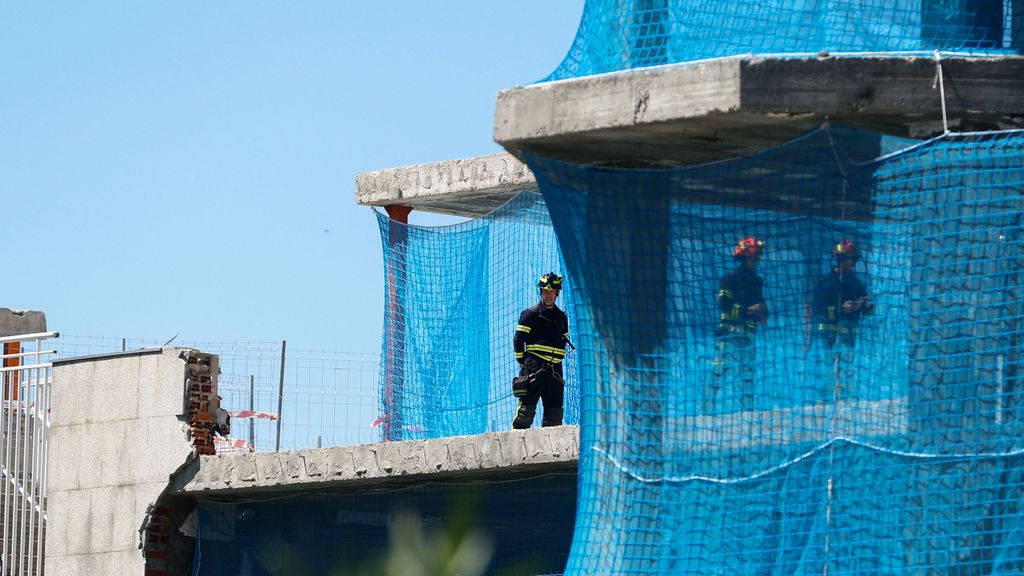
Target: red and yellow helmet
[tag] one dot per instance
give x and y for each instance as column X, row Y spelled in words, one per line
column 846, row 250
column 749, row 247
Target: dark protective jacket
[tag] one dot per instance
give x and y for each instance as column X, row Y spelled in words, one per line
column 829, row 295
column 737, row 291
column 541, row 332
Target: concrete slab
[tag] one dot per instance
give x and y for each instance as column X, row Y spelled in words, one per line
column 118, row 449
column 103, row 505
column 100, row 564
column 115, row 388
column 165, row 376
column 58, row 508
column 471, row 187
column 15, row 322
column 76, row 385
column 694, row 113
column 501, row 454
column 80, row 526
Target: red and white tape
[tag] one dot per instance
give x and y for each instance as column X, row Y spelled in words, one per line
column 232, row 445
column 412, row 428
column 252, row 414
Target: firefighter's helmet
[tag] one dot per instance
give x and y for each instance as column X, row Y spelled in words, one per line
column 550, row 281
column 846, row 250
column 748, row 247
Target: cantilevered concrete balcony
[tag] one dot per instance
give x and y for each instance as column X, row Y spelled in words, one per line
column 471, row 187
column 685, row 114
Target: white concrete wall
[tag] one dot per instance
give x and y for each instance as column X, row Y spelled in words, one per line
column 115, row 440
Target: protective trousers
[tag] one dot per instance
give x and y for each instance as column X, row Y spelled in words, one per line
column 733, row 365
column 548, row 387
column 838, row 344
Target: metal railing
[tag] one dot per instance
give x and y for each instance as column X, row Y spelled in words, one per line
column 25, row 375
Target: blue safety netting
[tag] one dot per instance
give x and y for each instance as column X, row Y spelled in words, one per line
column 624, row 34
column 453, row 295
column 525, row 523
column 897, row 450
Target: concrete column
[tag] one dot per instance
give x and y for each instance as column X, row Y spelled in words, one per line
column 14, row 322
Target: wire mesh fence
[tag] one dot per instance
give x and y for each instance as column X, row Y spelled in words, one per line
column 319, row 398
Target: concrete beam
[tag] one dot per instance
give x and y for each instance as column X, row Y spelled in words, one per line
column 498, row 454
column 694, row 113
column 15, row 322
column 470, row 187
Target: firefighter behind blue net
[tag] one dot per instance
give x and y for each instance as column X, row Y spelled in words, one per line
column 741, row 308
column 840, row 300
column 539, row 343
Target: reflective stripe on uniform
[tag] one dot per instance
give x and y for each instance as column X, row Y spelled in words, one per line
column 841, row 329
column 547, row 349
column 521, row 328
column 739, row 329
column 546, row 357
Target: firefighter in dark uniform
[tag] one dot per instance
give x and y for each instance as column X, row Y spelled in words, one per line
column 742, row 309
column 539, row 343
column 840, row 300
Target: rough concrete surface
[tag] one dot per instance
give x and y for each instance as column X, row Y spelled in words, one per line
column 502, row 453
column 15, row 322
column 688, row 114
column 468, row 187
column 115, row 439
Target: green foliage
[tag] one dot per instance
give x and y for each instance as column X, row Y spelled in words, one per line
column 418, row 549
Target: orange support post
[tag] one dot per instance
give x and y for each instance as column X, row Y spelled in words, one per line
column 11, row 379
column 394, row 333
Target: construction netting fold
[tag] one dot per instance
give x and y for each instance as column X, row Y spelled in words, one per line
column 623, row 34
column 805, row 361
column 453, row 298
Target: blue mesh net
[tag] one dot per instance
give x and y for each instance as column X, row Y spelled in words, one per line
column 347, row 534
column 624, row 34
column 789, row 425
column 453, row 298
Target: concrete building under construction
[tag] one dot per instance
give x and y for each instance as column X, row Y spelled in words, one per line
column 110, row 463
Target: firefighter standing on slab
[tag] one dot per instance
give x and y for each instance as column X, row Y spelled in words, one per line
column 742, row 308
column 539, row 344
column 840, row 300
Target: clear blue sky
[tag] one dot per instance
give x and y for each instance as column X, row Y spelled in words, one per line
column 188, row 167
